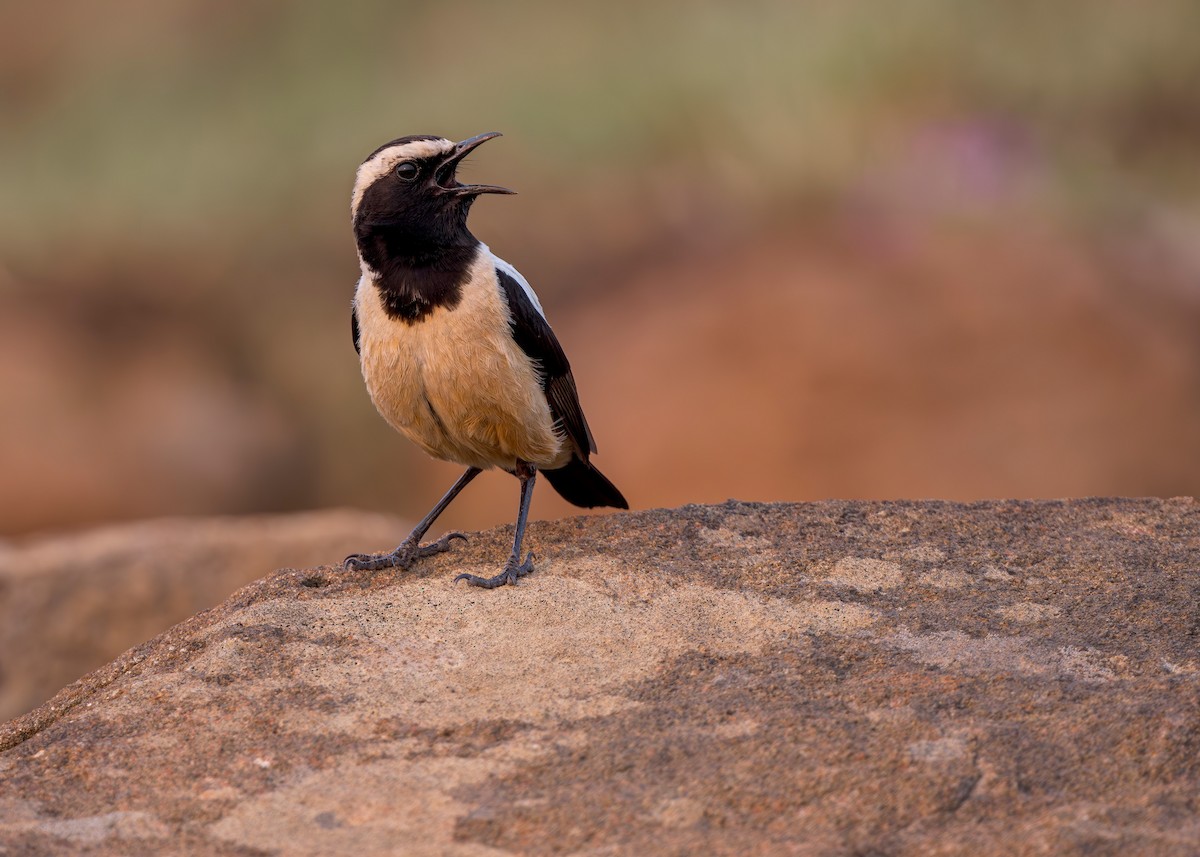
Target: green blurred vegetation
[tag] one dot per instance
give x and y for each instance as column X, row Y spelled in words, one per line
column 167, row 124
column 186, row 165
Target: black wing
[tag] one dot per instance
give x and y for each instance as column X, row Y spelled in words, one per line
column 354, row 329
column 533, row 334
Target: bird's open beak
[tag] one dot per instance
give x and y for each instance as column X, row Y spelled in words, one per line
column 461, row 150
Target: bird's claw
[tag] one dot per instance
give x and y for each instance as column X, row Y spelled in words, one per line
column 402, row 557
column 513, row 571
column 440, row 546
column 373, row 561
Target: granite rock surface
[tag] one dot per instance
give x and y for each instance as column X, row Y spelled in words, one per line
column 838, row 678
column 71, row 602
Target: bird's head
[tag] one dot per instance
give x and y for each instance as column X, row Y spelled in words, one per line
column 409, row 188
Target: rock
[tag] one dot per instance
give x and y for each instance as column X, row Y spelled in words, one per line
column 71, row 603
column 906, row 678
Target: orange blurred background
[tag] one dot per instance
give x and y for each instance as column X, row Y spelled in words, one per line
column 794, row 250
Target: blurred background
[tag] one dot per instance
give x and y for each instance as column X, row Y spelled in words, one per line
column 795, row 250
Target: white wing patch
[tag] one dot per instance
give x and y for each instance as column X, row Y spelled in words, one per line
column 516, row 275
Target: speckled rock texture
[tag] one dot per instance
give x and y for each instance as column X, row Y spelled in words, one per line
column 840, row 678
column 71, row 602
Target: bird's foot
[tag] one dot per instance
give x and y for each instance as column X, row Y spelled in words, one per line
column 512, row 572
column 402, row 557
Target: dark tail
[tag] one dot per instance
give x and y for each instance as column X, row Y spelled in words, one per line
column 582, row 484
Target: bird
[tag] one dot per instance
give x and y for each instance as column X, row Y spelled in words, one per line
column 454, row 347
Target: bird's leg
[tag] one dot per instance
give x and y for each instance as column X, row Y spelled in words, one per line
column 410, row 550
column 514, row 568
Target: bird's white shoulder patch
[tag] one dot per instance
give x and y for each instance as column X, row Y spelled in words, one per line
column 516, row 275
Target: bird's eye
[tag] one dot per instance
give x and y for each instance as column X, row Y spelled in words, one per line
column 406, row 171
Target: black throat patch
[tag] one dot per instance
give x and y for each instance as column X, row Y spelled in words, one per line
column 416, row 238
column 413, row 283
